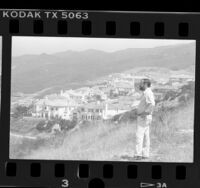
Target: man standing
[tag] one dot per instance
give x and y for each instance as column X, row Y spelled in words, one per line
column 144, row 119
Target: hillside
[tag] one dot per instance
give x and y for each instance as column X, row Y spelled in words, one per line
column 31, row 73
column 114, row 139
column 171, row 141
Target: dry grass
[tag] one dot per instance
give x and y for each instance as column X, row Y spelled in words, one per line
column 93, row 142
column 21, row 147
column 171, row 140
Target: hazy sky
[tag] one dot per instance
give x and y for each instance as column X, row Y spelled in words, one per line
column 38, row 45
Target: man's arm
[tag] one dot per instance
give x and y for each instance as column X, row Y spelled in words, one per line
column 150, row 104
column 148, row 111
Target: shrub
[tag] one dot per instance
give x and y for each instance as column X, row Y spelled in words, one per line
column 20, row 111
column 41, row 125
column 67, row 124
column 170, row 95
column 46, row 125
column 189, row 89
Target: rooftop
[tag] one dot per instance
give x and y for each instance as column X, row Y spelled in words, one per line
column 124, row 85
column 186, row 76
column 58, row 101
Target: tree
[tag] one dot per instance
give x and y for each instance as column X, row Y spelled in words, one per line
column 21, row 111
column 41, row 125
column 67, row 124
column 170, row 95
column 98, row 97
column 189, row 89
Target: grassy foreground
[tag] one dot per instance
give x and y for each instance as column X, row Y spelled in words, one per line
column 171, row 140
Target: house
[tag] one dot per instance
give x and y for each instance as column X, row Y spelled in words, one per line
column 181, row 78
column 122, row 84
column 104, row 110
column 96, row 91
column 159, row 96
column 91, row 111
column 75, row 95
column 123, row 88
column 54, row 107
column 113, row 109
column 120, row 105
column 165, row 89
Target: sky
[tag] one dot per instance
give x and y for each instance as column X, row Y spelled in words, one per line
column 49, row 45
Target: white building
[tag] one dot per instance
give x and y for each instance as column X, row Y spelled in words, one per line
column 55, row 107
column 181, row 78
column 91, row 111
column 104, row 110
column 79, row 95
column 113, row 109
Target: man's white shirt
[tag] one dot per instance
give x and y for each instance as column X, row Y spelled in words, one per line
column 146, row 99
column 149, row 96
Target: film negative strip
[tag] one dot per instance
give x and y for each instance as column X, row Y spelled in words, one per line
column 99, row 99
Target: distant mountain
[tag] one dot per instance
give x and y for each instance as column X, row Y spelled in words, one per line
column 31, row 73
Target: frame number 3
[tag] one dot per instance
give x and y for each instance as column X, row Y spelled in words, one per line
column 65, row 183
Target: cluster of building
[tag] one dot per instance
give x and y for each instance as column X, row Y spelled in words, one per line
column 104, row 100
column 114, row 95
